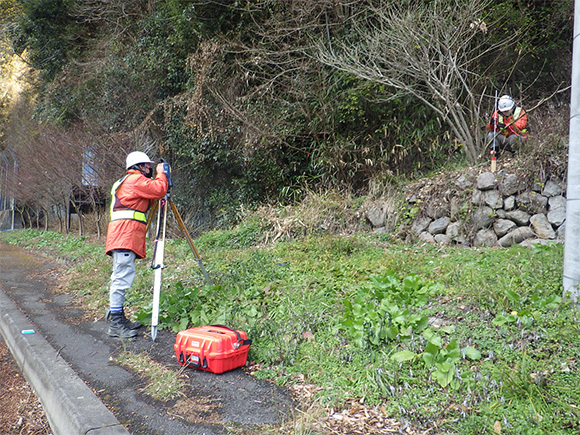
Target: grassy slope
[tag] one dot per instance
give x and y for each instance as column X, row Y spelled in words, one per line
column 499, row 349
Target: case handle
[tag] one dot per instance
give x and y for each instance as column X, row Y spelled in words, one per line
column 202, row 362
column 240, row 339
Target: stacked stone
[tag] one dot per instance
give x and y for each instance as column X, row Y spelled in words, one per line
column 508, row 214
column 502, row 211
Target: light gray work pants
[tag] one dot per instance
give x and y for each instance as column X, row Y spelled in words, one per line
column 122, row 277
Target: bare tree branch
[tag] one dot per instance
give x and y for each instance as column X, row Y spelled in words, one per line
column 428, row 51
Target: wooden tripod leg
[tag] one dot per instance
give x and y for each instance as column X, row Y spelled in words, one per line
column 189, row 241
column 151, row 215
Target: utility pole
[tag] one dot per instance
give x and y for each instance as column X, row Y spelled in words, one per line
column 572, row 238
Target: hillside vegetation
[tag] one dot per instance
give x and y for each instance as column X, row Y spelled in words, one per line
column 260, row 101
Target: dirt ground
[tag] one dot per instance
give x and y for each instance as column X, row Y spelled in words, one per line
column 20, row 409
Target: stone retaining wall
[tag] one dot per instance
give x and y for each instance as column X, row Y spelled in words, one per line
column 483, row 210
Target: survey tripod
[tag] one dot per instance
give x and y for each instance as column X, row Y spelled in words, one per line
column 160, row 208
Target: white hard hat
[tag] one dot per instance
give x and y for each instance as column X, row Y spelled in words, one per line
column 136, row 158
column 505, row 103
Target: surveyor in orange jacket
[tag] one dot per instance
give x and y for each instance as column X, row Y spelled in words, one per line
column 131, row 197
column 507, row 127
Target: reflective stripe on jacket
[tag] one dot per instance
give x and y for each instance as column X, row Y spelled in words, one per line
column 130, row 201
column 119, row 211
column 519, row 119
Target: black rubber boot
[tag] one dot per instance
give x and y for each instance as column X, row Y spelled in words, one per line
column 118, row 328
column 126, row 322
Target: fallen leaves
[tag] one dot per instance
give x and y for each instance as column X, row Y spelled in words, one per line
column 358, row 418
column 20, row 409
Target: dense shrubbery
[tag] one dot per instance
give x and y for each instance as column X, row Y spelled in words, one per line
column 234, row 94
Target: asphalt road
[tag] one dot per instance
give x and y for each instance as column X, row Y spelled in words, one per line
column 238, row 399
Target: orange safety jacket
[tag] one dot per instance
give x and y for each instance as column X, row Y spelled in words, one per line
column 521, row 122
column 130, row 199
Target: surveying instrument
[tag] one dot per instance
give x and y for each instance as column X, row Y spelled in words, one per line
column 160, row 207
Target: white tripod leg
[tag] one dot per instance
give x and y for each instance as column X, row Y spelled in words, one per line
column 157, row 288
column 158, row 266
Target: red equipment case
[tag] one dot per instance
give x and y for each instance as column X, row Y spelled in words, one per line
column 213, row 348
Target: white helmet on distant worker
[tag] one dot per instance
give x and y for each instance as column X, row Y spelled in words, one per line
column 505, row 103
column 136, row 158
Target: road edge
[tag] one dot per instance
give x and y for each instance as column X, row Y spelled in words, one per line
column 69, row 404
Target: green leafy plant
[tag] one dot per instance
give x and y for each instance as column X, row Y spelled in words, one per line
column 440, row 356
column 445, row 357
column 184, row 305
column 372, row 324
column 411, row 291
column 377, row 313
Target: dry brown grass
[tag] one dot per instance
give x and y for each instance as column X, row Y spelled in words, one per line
column 330, row 212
